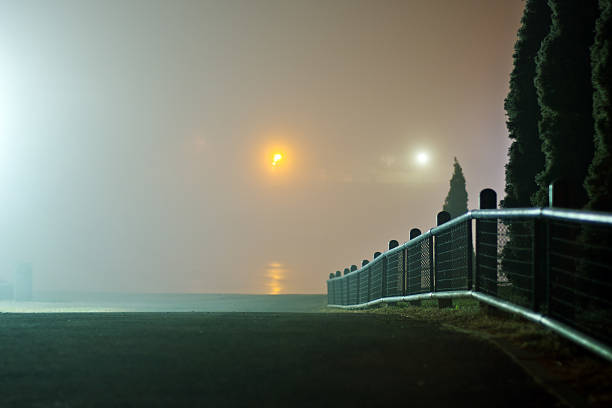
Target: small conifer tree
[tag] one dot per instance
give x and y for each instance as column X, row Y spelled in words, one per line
column 457, row 198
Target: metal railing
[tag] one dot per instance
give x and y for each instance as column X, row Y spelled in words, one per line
column 553, row 266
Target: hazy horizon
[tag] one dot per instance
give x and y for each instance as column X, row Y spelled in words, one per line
column 137, row 138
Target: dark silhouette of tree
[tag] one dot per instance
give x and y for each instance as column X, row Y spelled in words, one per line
column 526, row 159
column 565, row 95
column 456, row 199
column 599, row 180
column 594, row 241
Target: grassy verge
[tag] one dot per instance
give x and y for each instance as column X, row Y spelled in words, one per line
column 585, row 379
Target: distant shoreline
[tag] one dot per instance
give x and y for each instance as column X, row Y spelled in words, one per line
column 82, row 302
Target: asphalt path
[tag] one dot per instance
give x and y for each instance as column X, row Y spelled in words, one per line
column 252, row 360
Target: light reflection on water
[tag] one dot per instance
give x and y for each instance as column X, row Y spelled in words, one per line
column 275, row 275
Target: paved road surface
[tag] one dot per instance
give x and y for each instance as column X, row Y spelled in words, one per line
column 251, row 359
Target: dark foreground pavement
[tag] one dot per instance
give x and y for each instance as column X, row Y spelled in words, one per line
column 251, row 359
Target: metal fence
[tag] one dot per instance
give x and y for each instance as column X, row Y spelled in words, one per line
column 550, row 265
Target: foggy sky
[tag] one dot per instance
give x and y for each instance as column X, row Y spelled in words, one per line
column 135, row 135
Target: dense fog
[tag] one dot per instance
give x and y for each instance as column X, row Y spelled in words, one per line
column 137, row 138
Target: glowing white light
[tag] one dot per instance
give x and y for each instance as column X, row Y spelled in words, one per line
column 422, row 158
column 277, row 158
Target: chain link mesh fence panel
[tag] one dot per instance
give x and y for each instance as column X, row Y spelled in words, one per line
column 395, row 274
column 451, row 254
column 580, row 277
column 344, row 283
column 364, row 285
column 486, row 256
column 338, row 291
column 376, row 279
column 353, row 279
column 418, row 267
column 516, row 261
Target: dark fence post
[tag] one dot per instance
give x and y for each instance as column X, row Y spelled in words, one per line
column 358, row 289
column 487, row 199
column 470, row 256
column 440, row 245
column 414, row 232
column 376, row 255
column 404, row 270
column 345, row 287
column 430, row 245
column 486, row 245
column 442, row 217
column 369, row 284
column 384, row 277
column 392, row 244
column 355, row 277
column 354, row 285
column 338, row 289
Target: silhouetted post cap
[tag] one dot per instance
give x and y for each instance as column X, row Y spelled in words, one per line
column 562, row 193
column 376, row 254
column 338, row 274
column 331, row 276
column 487, row 199
column 393, row 244
column 353, row 268
column 364, row 262
column 346, row 271
column 415, row 232
column 443, row 217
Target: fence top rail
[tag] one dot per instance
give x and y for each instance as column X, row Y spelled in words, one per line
column 507, row 213
column 593, row 217
column 561, row 214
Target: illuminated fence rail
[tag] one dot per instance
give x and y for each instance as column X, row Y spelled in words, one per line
column 550, row 265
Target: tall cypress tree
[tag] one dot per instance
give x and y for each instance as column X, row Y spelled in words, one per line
column 565, row 95
column 456, row 199
column 599, row 180
column 526, row 159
